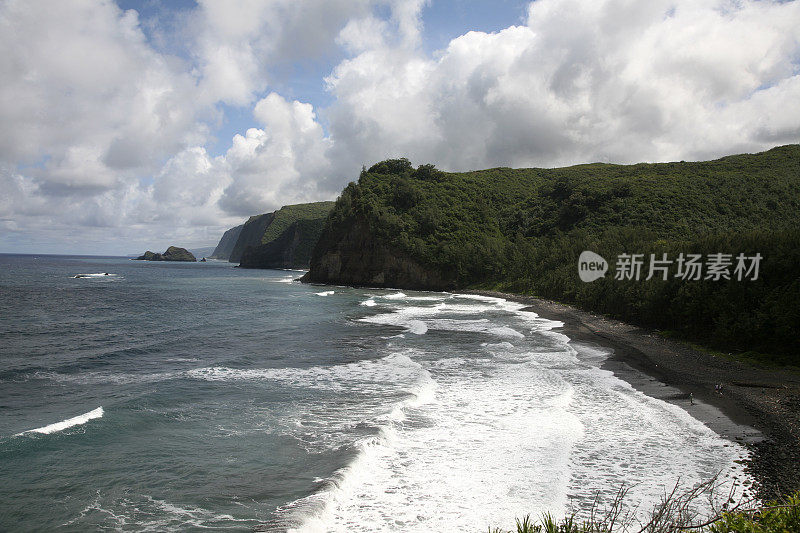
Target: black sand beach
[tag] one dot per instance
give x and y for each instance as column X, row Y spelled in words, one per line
column 757, row 406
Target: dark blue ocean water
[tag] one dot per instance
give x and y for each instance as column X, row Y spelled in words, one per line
column 175, row 396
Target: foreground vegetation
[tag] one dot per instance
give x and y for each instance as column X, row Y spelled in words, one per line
column 674, row 514
column 522, row 230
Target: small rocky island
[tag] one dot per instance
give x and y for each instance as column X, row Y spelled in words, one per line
column 173, row 253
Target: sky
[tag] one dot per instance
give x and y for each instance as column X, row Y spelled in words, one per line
column 139, row 124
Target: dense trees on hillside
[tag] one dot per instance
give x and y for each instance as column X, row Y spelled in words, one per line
column 522, row 230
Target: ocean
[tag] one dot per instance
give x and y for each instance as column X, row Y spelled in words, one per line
column 188, row 396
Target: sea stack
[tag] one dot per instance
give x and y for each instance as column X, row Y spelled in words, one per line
column 173, row 253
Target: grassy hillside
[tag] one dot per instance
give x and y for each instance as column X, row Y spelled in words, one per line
column 522, row 230
column 288, row 238
column 289, row 214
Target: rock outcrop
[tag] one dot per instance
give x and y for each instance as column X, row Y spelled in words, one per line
column 283, row 239
column 226, row 243
column 173, row 253
column 353, row 255
column 291, row 249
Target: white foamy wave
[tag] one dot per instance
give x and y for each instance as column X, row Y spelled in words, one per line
column 367, row 374
column 94, row 378
column 95, row 275
column 417, row 327
column 514, row 428
column 393, row 296
column 369, row 303
column 68, row 423
column 591, row 354
column 324, row 293
column 316, row 512
column 505, row 345
column 482, row 446
column 505, row 331
column 151, row 514
column 282, row 280
column 419, row 319
column 480, row 297
column 313, row 513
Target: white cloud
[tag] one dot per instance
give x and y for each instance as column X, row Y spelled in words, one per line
column 582, row 81
column 82, row 90
column 90, row 111
column 278, row 164
column 237, row 43
column 103, row 133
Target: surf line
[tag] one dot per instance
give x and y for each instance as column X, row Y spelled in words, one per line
column 68, row 423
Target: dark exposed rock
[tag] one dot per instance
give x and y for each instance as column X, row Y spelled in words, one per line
column 250, row 235
column 226, row 243
column 149, row 256
column 173, row 253
column 356, row 257
column 292, row 249
column 283, row 239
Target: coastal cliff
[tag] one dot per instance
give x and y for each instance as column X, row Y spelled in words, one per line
column 226, row 243
column 522, row 231
column 291, row 249
column 282, row 239
column 355, row 256
column 250, row 235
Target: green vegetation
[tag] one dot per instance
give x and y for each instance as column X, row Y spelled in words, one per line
column 173, row 253
column 289, row 214
column 674, row 515
column 287, row 238
column 522, row 230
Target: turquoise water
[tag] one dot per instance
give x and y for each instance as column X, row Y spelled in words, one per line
column 173, row 396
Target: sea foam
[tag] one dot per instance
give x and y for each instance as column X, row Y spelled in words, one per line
column 514, row 428
column 68, row 423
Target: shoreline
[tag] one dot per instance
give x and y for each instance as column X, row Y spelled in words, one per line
column 757, row 407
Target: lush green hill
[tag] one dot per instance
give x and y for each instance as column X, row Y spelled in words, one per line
column 287, row 238
column 289, row 214
column 522, row 230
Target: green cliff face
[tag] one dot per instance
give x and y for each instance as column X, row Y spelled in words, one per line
column 173, row 253
column 250, row 235
column 283, row 239
column 522, row 230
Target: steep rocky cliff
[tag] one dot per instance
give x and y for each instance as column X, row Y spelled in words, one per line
column 226, row 243
column 283, row 239
column 250, row 235
column 351, row 253
column 291, row 249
